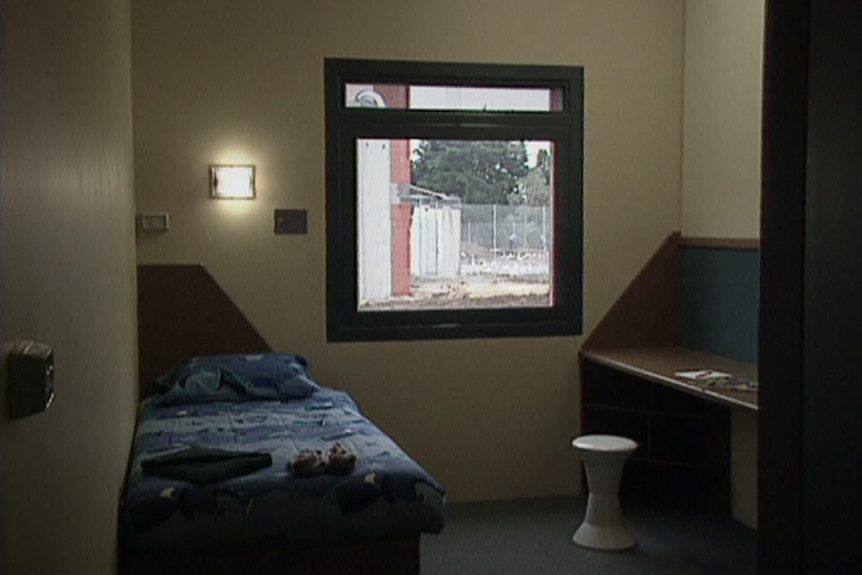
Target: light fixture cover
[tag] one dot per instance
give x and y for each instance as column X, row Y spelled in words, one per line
column 232, row 182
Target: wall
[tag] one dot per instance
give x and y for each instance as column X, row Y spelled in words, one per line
column 68, row 277
column 721, row 163
column 226, row 81
column 722, row 109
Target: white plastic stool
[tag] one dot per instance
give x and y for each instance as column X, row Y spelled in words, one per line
column 604, row 457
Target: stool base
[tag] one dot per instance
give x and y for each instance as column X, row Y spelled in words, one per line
column 603, row 538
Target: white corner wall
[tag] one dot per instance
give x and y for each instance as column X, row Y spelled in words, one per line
column 721, row 177
column 721, row 121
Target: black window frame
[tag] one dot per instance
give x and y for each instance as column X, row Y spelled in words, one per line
column 345, row 125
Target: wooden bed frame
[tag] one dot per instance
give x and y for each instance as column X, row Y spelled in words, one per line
column 182, row 313
column 394, row 556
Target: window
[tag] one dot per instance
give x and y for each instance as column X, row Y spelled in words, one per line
column 454, row 200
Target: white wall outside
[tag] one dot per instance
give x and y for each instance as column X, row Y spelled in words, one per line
column 435, row 235
column 374, row 225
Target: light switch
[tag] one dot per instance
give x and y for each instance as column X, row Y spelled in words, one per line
column 291, row 221
column 154, row 222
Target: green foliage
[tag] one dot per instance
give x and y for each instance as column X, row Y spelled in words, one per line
column 480, row 172
column 535, row 188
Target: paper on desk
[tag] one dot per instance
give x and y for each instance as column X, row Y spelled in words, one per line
column 717, row 380
column 702, row 374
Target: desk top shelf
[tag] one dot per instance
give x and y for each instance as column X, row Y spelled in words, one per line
column 658, row 364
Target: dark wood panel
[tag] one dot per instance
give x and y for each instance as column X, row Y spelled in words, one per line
column 832, row 314
column 782, row 238
column 649, row 311
column 183, row 312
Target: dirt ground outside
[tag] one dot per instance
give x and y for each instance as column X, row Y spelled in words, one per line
column 470, row 292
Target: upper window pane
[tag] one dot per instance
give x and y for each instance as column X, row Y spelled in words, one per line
column 464, row 98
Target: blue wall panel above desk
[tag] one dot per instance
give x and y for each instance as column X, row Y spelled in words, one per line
column 721, row 294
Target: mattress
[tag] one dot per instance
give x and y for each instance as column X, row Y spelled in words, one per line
column 258, row 499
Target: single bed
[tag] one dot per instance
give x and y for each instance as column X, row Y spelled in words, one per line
column 214, row 484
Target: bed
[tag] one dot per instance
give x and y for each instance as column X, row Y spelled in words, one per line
column 243, row 462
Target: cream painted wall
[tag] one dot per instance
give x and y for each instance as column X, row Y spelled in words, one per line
column 721, row 163
column 226, row 81
column 722, row 109
column 68, row 277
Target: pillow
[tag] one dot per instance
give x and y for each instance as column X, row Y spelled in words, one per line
column 236, row 377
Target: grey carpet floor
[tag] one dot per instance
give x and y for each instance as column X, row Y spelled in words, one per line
column 534, row 536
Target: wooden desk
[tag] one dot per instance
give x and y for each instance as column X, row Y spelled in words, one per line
column 658, row 364
column 628, row 388
column 682, row 429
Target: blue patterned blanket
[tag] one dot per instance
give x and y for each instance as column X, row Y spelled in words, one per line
column 386, row 494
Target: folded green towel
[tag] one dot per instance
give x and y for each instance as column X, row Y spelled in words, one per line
column 205, row 465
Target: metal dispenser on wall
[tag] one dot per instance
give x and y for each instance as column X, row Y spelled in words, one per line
column 31, row 378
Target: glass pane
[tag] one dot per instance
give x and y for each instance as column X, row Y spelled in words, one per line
column 454, row 224
column 453, row 98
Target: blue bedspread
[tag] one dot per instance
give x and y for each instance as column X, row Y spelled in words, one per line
column 388, row 493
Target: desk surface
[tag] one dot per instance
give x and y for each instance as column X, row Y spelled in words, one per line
column 659, row 364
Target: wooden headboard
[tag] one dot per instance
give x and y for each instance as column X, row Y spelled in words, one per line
column 182, row 313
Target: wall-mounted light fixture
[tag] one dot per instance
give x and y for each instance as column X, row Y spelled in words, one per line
column 232, row 182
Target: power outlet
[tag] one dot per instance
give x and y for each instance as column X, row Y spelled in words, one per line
column 291, row 221
column 154, row 222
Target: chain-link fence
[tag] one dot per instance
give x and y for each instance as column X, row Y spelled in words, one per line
column 505, row 239
column 498, row 227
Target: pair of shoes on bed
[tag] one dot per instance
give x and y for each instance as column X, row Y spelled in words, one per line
column 341, row 461
column 310, row 462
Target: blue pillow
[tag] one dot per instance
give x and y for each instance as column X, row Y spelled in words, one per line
column 237, row 377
